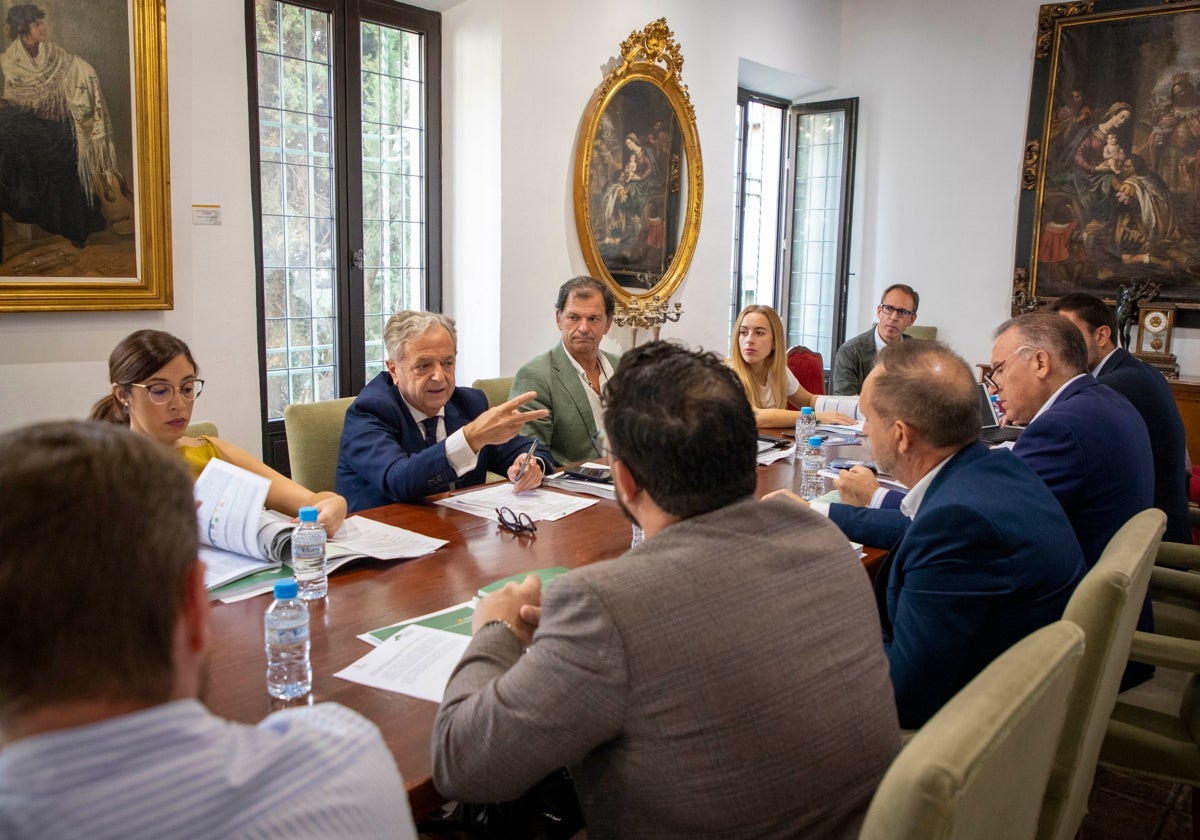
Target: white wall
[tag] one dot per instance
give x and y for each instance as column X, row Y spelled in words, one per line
column 54, row 365
column 551, row 60
column 944, row 87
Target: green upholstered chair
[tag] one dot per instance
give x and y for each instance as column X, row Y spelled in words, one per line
column 314, row 432
column 1155, row 727
column 978, row 768
column 201, row 427
column 1105, row 605
column 928, row 333
column 496, row 389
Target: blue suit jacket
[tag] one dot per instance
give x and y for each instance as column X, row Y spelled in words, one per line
column 1090, row 448
column 1147, row 389
column 989, row 558
column 383, row 458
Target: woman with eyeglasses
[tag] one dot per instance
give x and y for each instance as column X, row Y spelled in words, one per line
column 759, row 358
column 154, row 386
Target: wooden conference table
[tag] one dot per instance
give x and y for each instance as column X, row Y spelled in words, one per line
column 370, row 594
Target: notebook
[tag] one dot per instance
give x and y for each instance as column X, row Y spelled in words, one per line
column 990, row 430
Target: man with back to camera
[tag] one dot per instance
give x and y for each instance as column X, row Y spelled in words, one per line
column 1147, row 389
column 897, row 311
column 570, row 377
column 989, row 556
column 691, row 696
column 105, row 621
column 411, row 433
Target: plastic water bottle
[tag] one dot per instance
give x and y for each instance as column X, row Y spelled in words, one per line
column 995, row 398
column 285, row 632
column 812, row 461
column 806, row 426
column 308, row 556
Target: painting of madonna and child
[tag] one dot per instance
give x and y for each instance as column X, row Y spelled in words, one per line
column 1120, row 197
column 66, row 144
column 634, row 192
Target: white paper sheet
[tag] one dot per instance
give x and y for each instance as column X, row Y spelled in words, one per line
column 417, row 661
column 536, row 504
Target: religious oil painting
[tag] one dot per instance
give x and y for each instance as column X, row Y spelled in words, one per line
column 638, row 172
column 634, row 202
column 84, row 199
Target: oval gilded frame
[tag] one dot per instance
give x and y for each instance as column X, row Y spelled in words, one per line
column 649, row 57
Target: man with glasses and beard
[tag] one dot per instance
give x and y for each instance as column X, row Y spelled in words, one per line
column 725, row 677
column 104, row 617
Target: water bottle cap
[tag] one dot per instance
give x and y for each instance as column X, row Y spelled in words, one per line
column 814, row 441
column 308, row 514
column 806, row 410
column 286, row 589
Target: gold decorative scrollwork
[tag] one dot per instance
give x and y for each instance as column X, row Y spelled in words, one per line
column 1033, row 152
column 1048, row 14
column 1022, row 299
column 638, row 233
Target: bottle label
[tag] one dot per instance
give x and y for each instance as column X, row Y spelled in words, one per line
column 287, row 635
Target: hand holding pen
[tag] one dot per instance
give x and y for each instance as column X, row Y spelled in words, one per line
column 526, row 471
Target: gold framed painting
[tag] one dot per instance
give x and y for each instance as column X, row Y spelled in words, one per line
column 639, row 178
column 1110, row 189
column 84, row 161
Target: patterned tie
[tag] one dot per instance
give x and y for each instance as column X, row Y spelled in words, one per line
column 430, row 424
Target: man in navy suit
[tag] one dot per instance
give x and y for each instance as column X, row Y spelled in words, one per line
column 1150, row 394
column 412, row 433
column 988, row 556
column 1085, row 441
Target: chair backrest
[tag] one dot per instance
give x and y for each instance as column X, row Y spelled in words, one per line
column 496, row 389
column 1106, row 605
column 314, row 433
column 978, row 768
column 924, row 332
column 201, row 427
column 808, row 368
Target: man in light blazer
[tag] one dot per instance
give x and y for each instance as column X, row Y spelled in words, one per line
column 724, row 678
column 570, row 377
column 411, row 433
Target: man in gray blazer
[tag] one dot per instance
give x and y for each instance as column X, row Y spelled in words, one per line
column 570, row 377
column 724, row 678
column 897, row 311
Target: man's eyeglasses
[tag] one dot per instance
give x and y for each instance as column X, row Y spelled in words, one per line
column 991, row 379
column 888, row 309
column 518, row 523
column 160, row 393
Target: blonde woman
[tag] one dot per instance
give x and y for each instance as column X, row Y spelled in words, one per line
column 759, row 357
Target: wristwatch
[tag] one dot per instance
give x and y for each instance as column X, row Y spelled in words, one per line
column 499, row 621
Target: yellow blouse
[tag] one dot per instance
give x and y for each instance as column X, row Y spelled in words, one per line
column 197, row 457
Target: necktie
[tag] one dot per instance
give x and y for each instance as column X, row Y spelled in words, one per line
column 430, row 424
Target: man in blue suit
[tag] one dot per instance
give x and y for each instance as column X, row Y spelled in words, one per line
column 1148, row 391
column 412, row 433
column 1084, row 440
column 988, row 555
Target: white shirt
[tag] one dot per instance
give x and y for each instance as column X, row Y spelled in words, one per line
column 606, row 372
column 1096, row 370
column 1054, row 397
column 768, row 399
column 177, row 770
column 911, row 502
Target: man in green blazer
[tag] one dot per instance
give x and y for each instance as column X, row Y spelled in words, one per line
column 571, row 376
